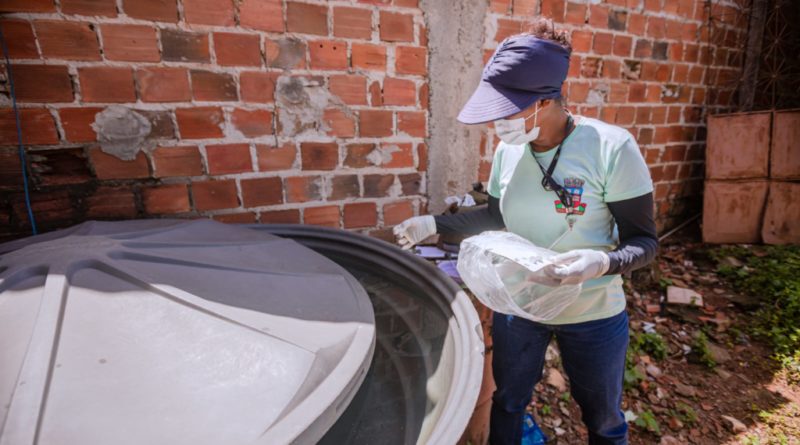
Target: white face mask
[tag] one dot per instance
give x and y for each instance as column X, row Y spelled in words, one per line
column 513, row 131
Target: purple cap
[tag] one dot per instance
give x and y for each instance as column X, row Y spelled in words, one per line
column 522, row 70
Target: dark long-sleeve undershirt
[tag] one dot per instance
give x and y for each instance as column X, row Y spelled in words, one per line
column 638, row 240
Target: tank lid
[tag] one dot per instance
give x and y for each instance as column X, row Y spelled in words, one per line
column 175, row 332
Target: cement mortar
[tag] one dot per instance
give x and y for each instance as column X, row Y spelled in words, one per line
column 455, row 44
column 122, row 132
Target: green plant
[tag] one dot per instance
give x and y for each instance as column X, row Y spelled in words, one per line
column 700, row 346
column 771, row 274
column 686, row 413
column 565, row 396
column 647, row 420
column 650, row 343
column 546, row 410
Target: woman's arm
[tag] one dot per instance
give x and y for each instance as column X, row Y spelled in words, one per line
column 487, row 217
column 638, row 241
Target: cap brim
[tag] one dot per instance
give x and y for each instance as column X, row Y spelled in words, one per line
column 491, row 102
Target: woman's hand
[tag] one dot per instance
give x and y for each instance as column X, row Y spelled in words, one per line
column 414, row 230
column 577, row 266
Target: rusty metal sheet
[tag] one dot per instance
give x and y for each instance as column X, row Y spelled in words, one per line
column 785, row 155
column 738, row 146
column 732, row 211
column 782, row 217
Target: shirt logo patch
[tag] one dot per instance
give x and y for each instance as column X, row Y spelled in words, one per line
column 574, row 187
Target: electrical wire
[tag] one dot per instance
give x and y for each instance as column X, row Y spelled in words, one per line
column 21, row 148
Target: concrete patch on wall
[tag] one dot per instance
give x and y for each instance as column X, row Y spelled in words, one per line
column 455, row 44
column 382, row 155
column 301, row 104
column 122, row 132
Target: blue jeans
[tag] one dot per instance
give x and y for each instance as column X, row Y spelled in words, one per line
column 593, row 356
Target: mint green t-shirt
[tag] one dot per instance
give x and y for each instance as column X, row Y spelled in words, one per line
column 599, row 163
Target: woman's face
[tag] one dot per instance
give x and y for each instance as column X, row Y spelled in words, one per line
column 544, row 107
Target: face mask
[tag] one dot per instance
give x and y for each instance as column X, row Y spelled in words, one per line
column 513, row 131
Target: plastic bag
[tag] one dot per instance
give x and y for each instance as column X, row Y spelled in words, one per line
column 499, row 268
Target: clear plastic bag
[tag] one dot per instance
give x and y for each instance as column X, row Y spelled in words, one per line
column 500, row 269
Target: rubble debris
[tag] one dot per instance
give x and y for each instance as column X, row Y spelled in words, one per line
column 682, row 295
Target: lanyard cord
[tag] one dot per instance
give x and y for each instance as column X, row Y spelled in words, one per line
column 548, row 175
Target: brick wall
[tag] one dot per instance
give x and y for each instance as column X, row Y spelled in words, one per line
column 654, row 67
column 314, row 111
column 255, row 110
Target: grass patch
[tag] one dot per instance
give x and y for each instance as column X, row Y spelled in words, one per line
column 771, row 274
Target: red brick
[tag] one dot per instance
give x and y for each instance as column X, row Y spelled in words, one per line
column 209, row 12
column 377, row 186
column 351, row 89
column 262, row 192
column 412, row 123
column 159, row 84
column 368, row 57
column 355, row 23
column 598, row 16
column 500, row 6
column 111, row 202
column 328, row 55
column 360, row 214
column 319, row 155
column 525, row 8
column 423, row 96
column 322, row 216
column 344, row 187
column 276, row 158
column 286, row 53
column 507, row 28
column 37, row 125
column 108, row 166
column 77, row 123
column 581, row 41
column 210, row 86
column 397, row 212
column 602, row 43
column 553, row 9
column 27, row 6
column 228, row 158
column 236, row 218
column 184, row 46
column 399, row 92
column 134, row 43
column 358, row 155
column 395, row 27
column 215, row 195
column 303, row 188
column 401, row 155
column 106, row 84
column 200, row 122
column 656, row 27
column 576, row 13
column 339, row 123
column 252, row 123
column 411, row 60
column 67, row 40
column 622, row 46
column 166, row 199
column 410, row 183
column 375, row 123
column 157, row 10
column 237, row 49
column 375, row 94
column 177, row 161
column 306, row 18
column 106, row 8
column 636, row 23
column 19, row 39
column 484, row 170
column 422, row 157
column 257, row 86
column 265, row 15
column 738, row 146
column 289, row 216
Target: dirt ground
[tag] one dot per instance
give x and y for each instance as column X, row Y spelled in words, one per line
column 680, row 399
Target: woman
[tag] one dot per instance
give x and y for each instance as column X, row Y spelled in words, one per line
column 570, row 180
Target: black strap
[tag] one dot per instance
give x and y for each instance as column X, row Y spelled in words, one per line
column 548, row 182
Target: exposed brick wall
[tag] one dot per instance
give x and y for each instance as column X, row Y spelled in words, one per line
column 317, row 112
column 260, row 110
column 654, row 67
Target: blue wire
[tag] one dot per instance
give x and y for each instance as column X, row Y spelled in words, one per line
column 19, row 135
